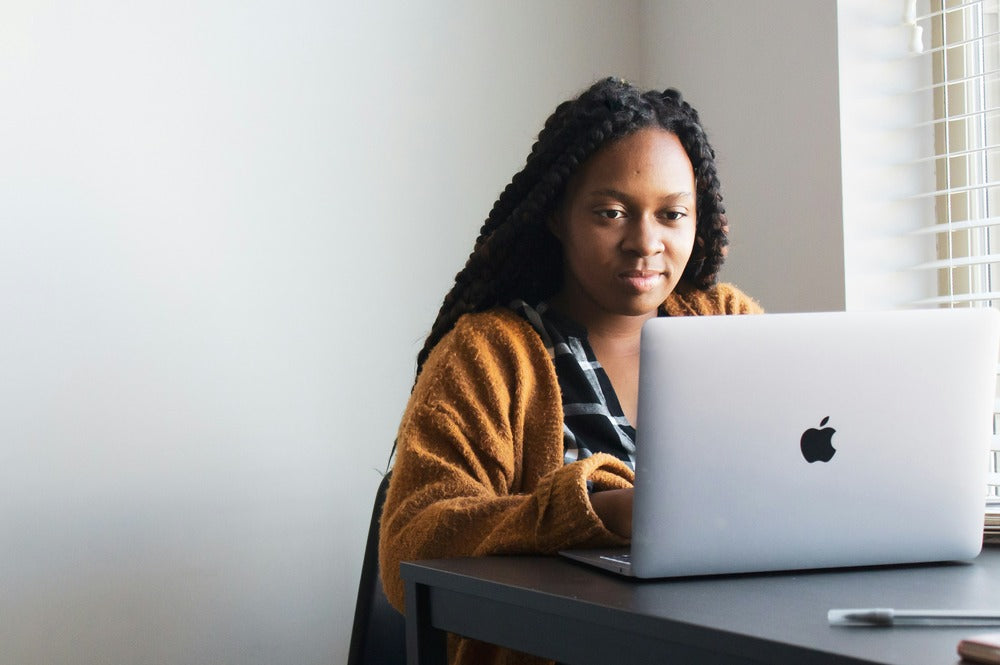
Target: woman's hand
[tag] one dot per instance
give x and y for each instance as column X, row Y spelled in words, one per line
column 614, row 507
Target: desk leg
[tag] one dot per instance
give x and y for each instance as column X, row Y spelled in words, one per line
column 425, row 645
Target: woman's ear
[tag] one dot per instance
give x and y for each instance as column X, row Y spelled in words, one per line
column 554, row 225
column 697, row 259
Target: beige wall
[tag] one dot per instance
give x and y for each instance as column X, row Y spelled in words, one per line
column 763, row 74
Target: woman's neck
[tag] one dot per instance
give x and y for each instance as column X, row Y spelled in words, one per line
column 603, row 327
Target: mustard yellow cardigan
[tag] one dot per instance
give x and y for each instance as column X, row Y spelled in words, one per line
column 479, row 466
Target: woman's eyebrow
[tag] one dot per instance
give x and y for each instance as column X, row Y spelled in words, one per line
column 617, row 194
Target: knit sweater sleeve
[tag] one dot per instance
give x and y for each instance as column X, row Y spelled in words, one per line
column 479, row 466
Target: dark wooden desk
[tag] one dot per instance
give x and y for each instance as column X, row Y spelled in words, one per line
column 565, row 611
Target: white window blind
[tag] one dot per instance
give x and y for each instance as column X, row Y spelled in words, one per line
column 959, row 42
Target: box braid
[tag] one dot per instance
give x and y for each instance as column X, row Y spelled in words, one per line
column 516, row 256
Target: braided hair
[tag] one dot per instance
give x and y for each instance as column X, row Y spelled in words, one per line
column 516, row 256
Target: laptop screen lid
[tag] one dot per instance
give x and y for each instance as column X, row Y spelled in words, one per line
column 790, row 441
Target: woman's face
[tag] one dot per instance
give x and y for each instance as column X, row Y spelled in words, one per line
column 627, row 228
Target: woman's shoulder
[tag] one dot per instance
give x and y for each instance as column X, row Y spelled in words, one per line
column 495, row 324
column 723, row 298
column 497, row 335
column 486, row 360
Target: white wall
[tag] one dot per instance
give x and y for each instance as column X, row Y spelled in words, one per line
column 763, row 75
column 226, row 228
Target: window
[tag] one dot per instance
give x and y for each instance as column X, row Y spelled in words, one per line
column 959, row 41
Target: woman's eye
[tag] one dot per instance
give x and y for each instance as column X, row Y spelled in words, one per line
column 611, row 214
column 674, row 215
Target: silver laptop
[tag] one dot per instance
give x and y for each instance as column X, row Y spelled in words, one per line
column 792, row 441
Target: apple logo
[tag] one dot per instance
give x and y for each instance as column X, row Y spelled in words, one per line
column 817, row 444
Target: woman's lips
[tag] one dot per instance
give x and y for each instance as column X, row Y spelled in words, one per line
column 642, row 280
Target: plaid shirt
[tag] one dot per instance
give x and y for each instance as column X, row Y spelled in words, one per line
column 593, row 420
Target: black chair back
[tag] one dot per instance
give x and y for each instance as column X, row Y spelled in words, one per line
column 379, row 634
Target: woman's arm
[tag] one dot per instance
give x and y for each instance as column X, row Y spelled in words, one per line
column 479, row 466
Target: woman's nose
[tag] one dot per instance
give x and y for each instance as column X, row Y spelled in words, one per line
column 643, row 237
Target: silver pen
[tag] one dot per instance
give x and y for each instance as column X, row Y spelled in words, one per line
column 885, row 616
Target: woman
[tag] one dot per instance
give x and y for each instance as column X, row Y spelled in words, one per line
column 519, row 434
